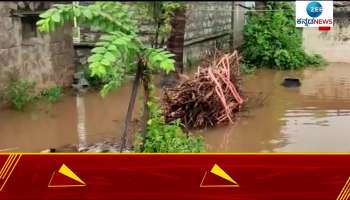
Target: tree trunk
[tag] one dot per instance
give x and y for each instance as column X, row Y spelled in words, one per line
column 260, row 6
column 175, row 45
column 177, row 37
column 131, row 105
column 232, row 38
column 146, row 114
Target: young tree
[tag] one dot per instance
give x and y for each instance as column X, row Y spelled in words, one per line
column 168, row 20
column 118, row 49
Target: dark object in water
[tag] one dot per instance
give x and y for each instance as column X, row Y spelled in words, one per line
column 291, row 82
column 80, row 83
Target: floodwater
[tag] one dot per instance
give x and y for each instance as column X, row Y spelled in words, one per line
column 312, row 118
column 77, row 120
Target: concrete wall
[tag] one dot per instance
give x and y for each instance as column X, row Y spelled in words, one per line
column 209, row 24
column 333, row 45
column 46, row 59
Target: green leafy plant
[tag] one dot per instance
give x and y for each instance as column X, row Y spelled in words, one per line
column 20, row 93
column 166, row 138
column 117, row 51
column 52, row 94
column 94, row 82
column 272, row 40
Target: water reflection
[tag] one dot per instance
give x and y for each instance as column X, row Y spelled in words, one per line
column 311, row 118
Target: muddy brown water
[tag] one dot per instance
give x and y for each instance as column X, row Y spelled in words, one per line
column 312, row 118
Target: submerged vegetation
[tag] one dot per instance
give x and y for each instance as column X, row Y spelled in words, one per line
column 52, row 94
column 21, row 93
column 272, row 40
column 166, row 137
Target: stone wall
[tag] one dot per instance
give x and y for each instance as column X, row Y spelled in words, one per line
column 213, row 24
column 333, row 45
column 27, row 54
column 209, row 24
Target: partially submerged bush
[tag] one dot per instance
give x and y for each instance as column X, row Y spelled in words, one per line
column 272, row 40
column 52, row 94
column 20, row 93
column 247, row 68
column 167, row 137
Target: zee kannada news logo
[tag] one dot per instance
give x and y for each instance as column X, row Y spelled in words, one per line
column 314, row 9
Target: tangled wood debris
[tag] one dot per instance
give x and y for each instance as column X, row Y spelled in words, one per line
column 210, row 98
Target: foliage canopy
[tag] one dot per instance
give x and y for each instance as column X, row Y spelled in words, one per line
column 117, row 48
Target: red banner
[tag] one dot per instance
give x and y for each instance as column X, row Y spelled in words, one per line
column 175, row 176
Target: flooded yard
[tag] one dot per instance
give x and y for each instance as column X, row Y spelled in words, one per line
column 311, row 118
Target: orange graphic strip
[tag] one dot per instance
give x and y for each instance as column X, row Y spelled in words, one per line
column 345, row 192
column 347, row 195
column 5, row 165
column 8, row 168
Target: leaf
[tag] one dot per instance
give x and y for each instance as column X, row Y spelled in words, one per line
column 157, row 57
column 98, row 50
column 112, row 48
column 87, row 13
column 46, row 14
column 40, row 22
column 119, row 41
column 106, row 62
column 167, row 65
column 56, row 17
column 107, row 37
column 101, row 43
column 97, row 70
column 95, row 58
column 77, row 12
column 110, row 57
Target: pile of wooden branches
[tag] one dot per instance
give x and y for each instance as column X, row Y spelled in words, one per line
column 210, row 98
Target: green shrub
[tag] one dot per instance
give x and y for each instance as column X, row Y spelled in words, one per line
column 272, row 40
column 167, row 138
column 20, row 93
column 52, row 94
